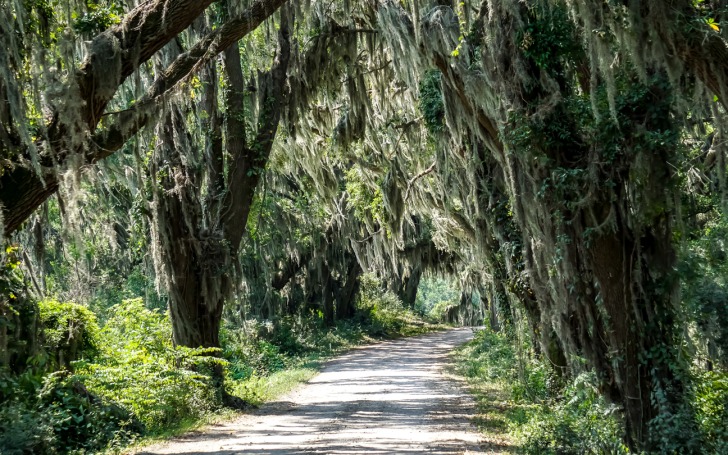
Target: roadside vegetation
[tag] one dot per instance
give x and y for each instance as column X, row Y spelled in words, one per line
column 524, row 406
column 100, row 386
column 276, row 179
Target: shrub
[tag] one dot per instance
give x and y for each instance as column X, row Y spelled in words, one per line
column 578, row 422
column 295, row 335
column 710, row 397
column 380, row 312
column 491, row 356
column 141, row 370
column 248, row 355
column 547, row 417
column 59, row 416
column 68, row 332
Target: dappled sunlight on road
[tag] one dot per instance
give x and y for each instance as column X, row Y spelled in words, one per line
column 388, row 398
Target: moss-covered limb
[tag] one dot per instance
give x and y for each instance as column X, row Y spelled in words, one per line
column 681, row 37
column 117, row 52
column 127, row 123
column 212, row 127
column 99, row 80
column 113, row 55
column 248, row 161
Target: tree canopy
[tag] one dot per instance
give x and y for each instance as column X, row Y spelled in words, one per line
column 561, row 161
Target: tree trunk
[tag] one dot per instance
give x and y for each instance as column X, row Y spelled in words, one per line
column 346, row 295
column 114, row 55
column 408, row 290
column 193, row 264
column 198, row 246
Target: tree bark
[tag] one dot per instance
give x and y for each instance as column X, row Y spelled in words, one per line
column 346, row 294
column 408, row 292
column 114, row 55
column 200, row 259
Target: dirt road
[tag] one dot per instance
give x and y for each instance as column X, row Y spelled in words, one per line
column 392, row 397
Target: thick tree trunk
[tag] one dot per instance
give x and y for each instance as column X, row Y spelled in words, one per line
column 637, row 288
column 198, row 247
column 196, row 324
column 346, row 295
column 408, row 290
column 194, row 265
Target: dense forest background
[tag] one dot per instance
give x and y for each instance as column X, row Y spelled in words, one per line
column 197, row 195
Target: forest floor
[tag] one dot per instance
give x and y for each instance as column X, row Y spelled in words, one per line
column 392, row 397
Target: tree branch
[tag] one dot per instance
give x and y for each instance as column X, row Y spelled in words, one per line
column 417, row 177
column 128, row 123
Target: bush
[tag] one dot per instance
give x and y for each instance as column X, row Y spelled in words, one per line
column 578, row 422
column 710, row 398
column 141, row 370
column 490, row 356
column 248, row 354
column 381, row 313
column 295, row 335
column 547, row 417
column 68, row 332
column 59, row 416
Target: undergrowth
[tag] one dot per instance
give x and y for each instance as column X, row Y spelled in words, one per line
column 97, row 389
column 525, row 407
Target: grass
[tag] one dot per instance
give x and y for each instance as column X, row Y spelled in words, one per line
column 494, row 404
column 258, row 390
column 263, row 389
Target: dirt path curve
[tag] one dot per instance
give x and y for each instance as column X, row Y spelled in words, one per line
column 392, row 397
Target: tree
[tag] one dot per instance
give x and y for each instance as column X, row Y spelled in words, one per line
column 71, row 134
column 598, row 241
column 199, row 234
column 538, row 153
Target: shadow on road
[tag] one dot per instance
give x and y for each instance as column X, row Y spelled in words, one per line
column 388, row 398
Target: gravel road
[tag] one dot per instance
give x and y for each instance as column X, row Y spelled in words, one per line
column 394, row 397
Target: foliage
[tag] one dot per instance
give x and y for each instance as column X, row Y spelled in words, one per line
column 490, row 356
column 368, row 202
column 140, row 369
column 381, row 313
column 543, row 416
column 704, row 268
column 434, row 296
column 98, row 17
column 68, row 332
column 132, row 381
column 710, row 396
column 431, row 104
column 579, row 421
column 248, row 354
column 18, row 315
column 57, row 414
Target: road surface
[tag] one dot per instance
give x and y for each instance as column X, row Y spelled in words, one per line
column 394, row 397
